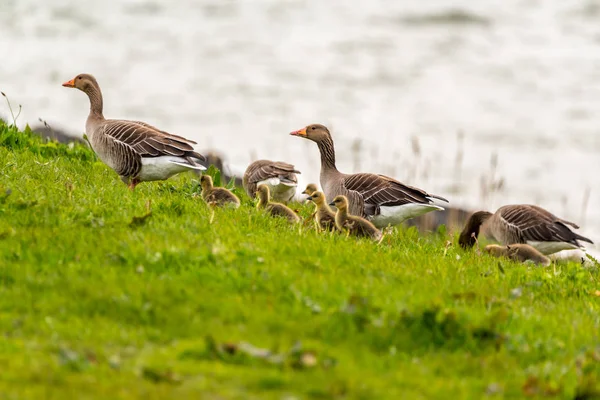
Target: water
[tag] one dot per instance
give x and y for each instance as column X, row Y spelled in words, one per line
column 520, row 80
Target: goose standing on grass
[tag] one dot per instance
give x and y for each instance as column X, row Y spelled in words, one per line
column 518, row 252
column 352, row 224
column 324, row 216
column 217, row 195
column 381, row 199
column 279, row 176
column 275, row 209
column 522, row 223
column 135, row 150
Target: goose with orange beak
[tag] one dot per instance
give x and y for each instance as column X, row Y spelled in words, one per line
column 135, row 150
column 382, row 200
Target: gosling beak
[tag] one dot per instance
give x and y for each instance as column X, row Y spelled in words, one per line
column 70, row 83
column 309, row 198
column 332, row 204
column 300, row 132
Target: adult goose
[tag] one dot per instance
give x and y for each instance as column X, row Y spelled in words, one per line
column 275, row 209
column 279, row 176
column 381, row 199
column 522, row 223
column 135, row 150
column 352, row 224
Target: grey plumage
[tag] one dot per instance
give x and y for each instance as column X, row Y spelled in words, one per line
column 278, row 175
column 136, row 150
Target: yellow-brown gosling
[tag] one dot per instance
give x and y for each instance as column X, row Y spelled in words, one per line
column 523, row 223
column 324, row 216
column 353, row 224
column 518, row 252
column 275, row 209
column 217, row 195
column 310, row 189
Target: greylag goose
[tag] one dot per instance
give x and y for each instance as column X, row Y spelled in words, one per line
column 275, row 209
column 518, row 252
column 324, row 216
column 310, row 189
column 217, row 195
column 279, row 176
column 381, row 199
column 522, row 223
column 135, row 150
column 352, row 224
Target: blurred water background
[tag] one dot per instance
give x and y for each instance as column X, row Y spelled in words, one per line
column 485, row 102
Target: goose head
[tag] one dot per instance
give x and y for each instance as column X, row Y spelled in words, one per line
column 310, row 189
column 206, row 182
column 468, row 236
column 340, row 202
column 315, row 132
column 83, row 82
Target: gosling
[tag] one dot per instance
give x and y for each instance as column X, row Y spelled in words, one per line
column 310, row 189
column 352, row 224
column 217, row 195
column 275, row 209
column 518, row 252
column 324, row 216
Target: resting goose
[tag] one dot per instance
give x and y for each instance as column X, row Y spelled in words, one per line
column 275, row 209
column 324, row 216
column 217, row 195
column 135, row 150
column 518, row 252
column 352, row 224
column 522, row 223
column 279, row 176
column 381, row 199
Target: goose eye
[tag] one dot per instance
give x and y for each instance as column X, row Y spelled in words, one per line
column 313, row 128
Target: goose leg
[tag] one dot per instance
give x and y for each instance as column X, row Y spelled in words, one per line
column 133, row 183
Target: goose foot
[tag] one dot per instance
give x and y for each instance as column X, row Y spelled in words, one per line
column 132, row 184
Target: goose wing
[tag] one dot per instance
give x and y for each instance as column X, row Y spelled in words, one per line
column 380, row 190
column 148, row 141
column 533, row 223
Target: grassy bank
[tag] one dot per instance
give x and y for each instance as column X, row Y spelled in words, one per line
column 105, row 293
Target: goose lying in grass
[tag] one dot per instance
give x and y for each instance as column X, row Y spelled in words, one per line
column 352, row 224
column 279, row 176
column 518, row 252
column 522, row 223
column 217, row 195
column 275, row 209
column 135, row 150
column 379, row 198
column 324, row 216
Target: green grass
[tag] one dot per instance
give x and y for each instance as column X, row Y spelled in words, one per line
column 97, row 303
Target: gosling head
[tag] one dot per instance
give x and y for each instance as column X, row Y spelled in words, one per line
column 317, row 197
column 206, row 182
column 83, row 82
column 310, row 189
column 340, row 202
column 263, row 193
column 496, row 250
column 315, row 132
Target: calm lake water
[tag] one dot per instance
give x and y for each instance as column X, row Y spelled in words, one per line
column 434, row 93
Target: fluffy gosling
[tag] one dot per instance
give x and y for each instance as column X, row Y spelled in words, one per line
column 518, row 252
column 310, row 189
column 352, row 224
column 217, row 195
column 324, row 216
column 275, row 209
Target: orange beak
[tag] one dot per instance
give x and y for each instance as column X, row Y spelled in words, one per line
column 301, row 132
column 70, row 83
